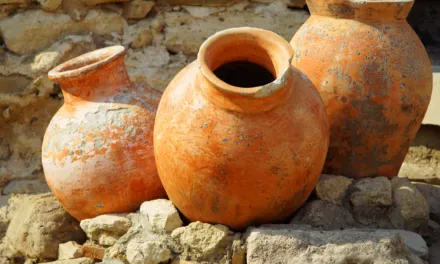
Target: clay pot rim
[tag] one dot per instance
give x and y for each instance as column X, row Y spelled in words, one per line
column 87, row 63
column 259, row 91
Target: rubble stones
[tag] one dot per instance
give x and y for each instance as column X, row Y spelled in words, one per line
column 39, row 225
column 332, row 188
column 371, row 199
column 106, row 229
column 161, row 215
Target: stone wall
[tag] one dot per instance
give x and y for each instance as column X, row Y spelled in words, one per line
column 162, row 37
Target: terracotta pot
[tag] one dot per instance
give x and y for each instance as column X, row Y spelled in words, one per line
column 374, row 76
column 98, row 148
column 240, row 156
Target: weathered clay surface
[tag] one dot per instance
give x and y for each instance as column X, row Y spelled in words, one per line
column 233, row 138
column 102, row 135
column 40, row 225
column 375, row 79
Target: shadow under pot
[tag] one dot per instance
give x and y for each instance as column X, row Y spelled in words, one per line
column 240, row 136
column 374, row 76
column 97, row 151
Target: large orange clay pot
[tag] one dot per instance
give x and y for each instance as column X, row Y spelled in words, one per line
column 98, row 149
column 234, row 155
column 374, row 76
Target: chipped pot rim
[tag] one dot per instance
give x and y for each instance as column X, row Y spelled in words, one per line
column 86, row 63
column 282, row 77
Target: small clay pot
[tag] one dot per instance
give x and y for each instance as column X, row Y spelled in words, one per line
column 240, row 136
column 374, row 76
column 98, row 148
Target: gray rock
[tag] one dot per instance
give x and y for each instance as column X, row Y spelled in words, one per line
column 411, row 211
column 161, row 215
column 332, row 188
column 69, row 250
column 434, row 253
column 323, row 214
column 371, row 198
column 147, row 252
column 106, row 229
column 432, row 196
column 415, row 243
column 26, row 186
column 204, row 242
column 266, row 245
column 39, row 225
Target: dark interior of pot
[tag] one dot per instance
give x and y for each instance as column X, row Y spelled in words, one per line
column 244, row 74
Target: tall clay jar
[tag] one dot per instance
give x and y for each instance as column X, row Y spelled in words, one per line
column 98, row 148
column 374, row 76
column 240, row 136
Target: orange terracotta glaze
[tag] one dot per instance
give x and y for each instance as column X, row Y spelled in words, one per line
column 374, row 76
column 98, row 148
column 240, row 156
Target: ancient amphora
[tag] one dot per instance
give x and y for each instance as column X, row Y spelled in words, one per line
column 374, row 76
column 98, row 148
column 240, row 135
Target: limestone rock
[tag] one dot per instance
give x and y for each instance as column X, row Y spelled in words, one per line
column 15, row 30
column 199, row 2
column 73, row 261
column 432, row 196
column 411, row 210
column 106, row 229
column 271, row 245
column 323, row 214
column 203, row 242
column 332, row 188
column 371, row 199
column 144, row 38
column 97, row 2
column 296, row 3
column 76, row 9
column 69, row 250
column 147, row 252
column 26, row 186
column 203, row 11
column 238, row 252
column 93, row 251
column 137, row 9
column 275, row 17
column 50, row 5
column 139, row 230
column 161, row 215
column 40, row 225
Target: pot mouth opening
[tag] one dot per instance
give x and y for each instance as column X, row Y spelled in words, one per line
column 86, row 63
column 246, row 61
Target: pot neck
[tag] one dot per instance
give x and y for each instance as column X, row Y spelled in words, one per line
column 396, row 10
column 94, row 76
column 256, row 46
